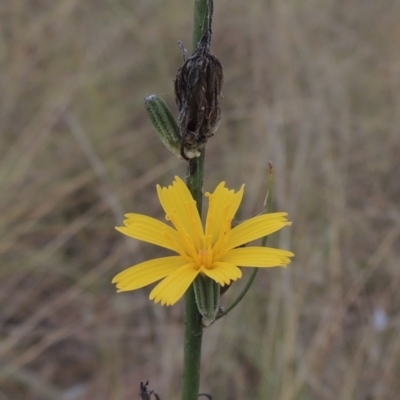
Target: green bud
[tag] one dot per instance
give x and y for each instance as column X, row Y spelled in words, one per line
column 207, row 293
column 164, row 123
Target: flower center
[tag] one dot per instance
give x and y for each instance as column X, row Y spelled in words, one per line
column 205, row 254
column 203, row 258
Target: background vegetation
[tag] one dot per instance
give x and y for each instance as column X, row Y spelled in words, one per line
column 313, row 86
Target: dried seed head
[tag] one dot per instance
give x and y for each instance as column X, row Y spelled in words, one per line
column 197, row 93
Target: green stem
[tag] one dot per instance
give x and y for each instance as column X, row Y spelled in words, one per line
column 193, row 319
column 203, row 11
column 241, row 295
column 192, row 348
column 194, row 181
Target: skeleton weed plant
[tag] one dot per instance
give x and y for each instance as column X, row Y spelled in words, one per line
column 207, row 255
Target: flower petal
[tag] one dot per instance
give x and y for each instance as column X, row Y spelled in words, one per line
column 257, row 227
column 223, row 273
column 235, row 202
column 181, row 209
column 150, row 230
column 174, row 286
column 258, row 257
column 223, row 205
column 147, row 272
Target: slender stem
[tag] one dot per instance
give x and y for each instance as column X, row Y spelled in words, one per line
column 203, row 12
column 194, row 181
column 241, row 295
column 192, row 348
column 195, row 178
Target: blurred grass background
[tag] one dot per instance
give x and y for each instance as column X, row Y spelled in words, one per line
column 313, row 86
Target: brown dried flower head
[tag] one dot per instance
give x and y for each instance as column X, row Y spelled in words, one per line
column 197, row 93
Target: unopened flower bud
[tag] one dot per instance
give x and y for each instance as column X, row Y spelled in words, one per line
column 164, row 123
column 207, row 294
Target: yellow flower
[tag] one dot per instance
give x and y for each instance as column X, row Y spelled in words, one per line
column 212, row 251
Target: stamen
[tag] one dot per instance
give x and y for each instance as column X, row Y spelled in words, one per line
column 219, row 249
column 175, row 219
column 202, row 258
column 209, row 250
column 178, row 246
column 187, row 243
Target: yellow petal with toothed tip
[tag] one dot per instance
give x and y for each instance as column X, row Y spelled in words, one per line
column 180, row 208
column 223, row 205
column 235, row 203
column 256, row 228
column 147, row 272
column 150, row 230
column 258, row 257
column 174, row 286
